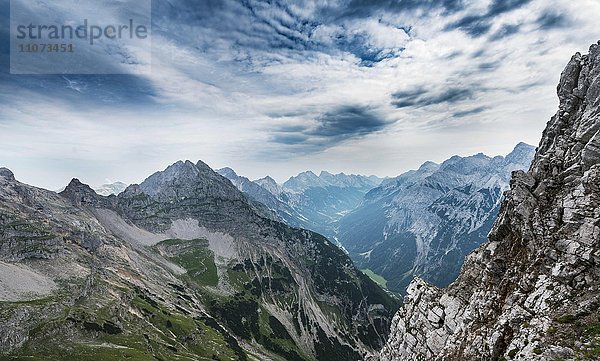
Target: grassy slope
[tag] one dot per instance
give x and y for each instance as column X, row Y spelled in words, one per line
column 375, row 277
column 242, row 312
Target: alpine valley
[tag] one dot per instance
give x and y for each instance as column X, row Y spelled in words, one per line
column 421, row 223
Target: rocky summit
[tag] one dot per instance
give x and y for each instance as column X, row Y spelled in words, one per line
column 180, row 267
column 531, row 291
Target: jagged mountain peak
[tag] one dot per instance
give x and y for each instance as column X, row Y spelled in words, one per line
column 308, row 173
column 183, row 166
column 522, row 152
column 469, row 163
column 341, row 175
column 309, row 179
column 227, row 172
column 303, row 181
column 428, row 166
column 523, row 146
column 267, row 180
column 80, row 194
column 7, row 173
column 201, row 166
column 187, row 167
column 177, row 170
column 270, row 185
column 475, row 158
column 75, row 185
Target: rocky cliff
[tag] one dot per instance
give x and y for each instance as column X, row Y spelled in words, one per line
column 531, row 292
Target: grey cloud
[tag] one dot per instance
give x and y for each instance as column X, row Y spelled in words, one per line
column 289, row 139
column 420, row 97
column 331, row 128
column 552, row 20
column 291, row 128
column 468, row 112
column 478, row 25
column 498, row 7
column 505, row 31
column 474, row 25
column 347, row 122
column 489, row 65
column 366, row 8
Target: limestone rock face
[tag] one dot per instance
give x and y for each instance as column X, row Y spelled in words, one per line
column 531, row 292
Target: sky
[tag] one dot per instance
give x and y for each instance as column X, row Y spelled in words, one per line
column 279, row 87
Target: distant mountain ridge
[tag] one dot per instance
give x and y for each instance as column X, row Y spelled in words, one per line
column 310, row 201
column 272, row 201
column 308, row 179
column 425, row 221
column 111, row 188
column 422, row 222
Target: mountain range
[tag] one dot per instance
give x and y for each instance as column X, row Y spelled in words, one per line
column 311, row 201
column 105, row 189
column 182, row 265
column 424, row 222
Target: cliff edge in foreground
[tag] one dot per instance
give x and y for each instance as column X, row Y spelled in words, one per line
column 531, row 292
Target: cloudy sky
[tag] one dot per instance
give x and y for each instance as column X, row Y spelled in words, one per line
column 278, row 87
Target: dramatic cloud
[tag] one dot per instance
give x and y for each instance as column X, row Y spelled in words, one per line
column 348, row 121
column 278, row 87
column 505, row 31
column 368, row 8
